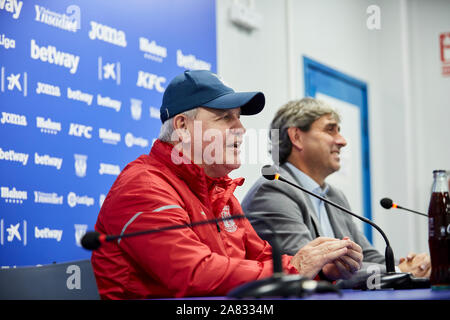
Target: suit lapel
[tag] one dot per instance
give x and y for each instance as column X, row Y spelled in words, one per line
column 289, row 175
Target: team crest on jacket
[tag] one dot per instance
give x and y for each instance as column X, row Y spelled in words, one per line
column 230, row 225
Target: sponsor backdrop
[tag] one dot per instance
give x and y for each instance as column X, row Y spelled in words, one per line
column 81, row 84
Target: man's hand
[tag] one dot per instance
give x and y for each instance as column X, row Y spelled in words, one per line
column 345, row 266
column 322, row 251
column 417, row 264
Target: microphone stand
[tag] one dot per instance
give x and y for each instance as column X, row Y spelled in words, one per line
column 279, row 284
column 389, row 280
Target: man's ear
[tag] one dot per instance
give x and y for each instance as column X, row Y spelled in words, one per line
column 179, row 122
column 296, row 137
column 180, row 128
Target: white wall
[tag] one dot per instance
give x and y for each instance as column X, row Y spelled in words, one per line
column 409, row 110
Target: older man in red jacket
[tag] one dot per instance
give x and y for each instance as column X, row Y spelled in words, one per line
column 185, row 179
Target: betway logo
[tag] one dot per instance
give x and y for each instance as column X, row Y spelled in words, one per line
column 12, row 6
column 131, row 140
column 13, row 195
column 106, row 168
column 47, row 233
column 46, row 160
column 152, row 50
column 107, row 34
column 59, row 20
column 109, row 103
column 47, row 198
column 12, row 118
column 108, row 136
column 51, row 55
column 79, row 96
column 150, row 81
column 48, row 126
column 80, row 130
column 48, row 89
column 73, row 200
column 12, row 155
column 191, row 62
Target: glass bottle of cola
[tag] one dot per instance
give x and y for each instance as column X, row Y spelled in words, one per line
column 439, row 231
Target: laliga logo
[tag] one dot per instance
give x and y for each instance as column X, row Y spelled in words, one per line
column 80, row 165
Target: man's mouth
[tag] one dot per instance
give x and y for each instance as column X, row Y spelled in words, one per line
column 236, row 144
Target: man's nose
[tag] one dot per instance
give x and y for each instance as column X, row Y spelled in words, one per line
column 340, row 140
column 239, row 127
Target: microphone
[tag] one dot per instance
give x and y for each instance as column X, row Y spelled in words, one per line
column 92, row 240
column 388, row 203
column 278, row 284
column 391, row 279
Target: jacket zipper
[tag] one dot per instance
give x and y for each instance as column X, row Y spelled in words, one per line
column 218, row 227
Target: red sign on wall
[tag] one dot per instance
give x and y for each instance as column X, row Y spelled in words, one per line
column 444, row 43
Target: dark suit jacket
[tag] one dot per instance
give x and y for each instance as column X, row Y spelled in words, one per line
column 291, row 213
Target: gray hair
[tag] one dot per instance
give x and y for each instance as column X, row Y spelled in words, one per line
column 299, row 114
column 167, row 129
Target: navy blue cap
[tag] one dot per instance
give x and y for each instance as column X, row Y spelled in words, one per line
column 202, row 88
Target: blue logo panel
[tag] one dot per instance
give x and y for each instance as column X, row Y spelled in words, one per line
column 81, row 83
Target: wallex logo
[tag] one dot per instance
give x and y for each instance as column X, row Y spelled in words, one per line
column 13, row 81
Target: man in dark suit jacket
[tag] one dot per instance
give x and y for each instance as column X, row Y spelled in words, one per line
column 308, row 150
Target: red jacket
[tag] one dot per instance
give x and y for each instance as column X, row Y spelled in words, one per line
column 206, row 260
